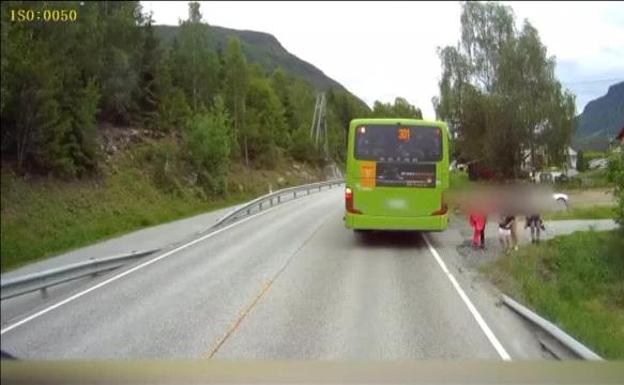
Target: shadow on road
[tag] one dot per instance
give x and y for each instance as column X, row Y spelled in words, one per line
column 396, row 239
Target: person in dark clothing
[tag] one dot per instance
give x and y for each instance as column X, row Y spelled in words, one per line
column 483, row 237
column 535, row 222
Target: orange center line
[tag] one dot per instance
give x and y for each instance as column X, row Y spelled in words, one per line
column 240, row 319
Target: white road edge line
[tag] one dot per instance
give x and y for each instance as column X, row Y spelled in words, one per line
column 138, row 267
column 484, row 327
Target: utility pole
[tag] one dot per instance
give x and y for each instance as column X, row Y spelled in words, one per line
column 318, row 129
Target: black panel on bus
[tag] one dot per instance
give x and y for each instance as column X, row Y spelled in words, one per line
column 405, row 174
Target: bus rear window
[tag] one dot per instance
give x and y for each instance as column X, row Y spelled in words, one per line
column 404, row 144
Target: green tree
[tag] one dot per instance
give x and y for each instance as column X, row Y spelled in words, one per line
column 342, row 108
column 486, row 28
column 173, row 108
column 499, row 94
column 207, row 138
column 195, row 67
column 235, row 89
column 119, row 52
column 265, row 122
column 302, row 146
column 149, row 95
column 280, row 83
column 400, row 109
column 4, row 62
column 581, row 163
column 81, row 141
column 615, row 174
column 50, row 99
column 174, row 111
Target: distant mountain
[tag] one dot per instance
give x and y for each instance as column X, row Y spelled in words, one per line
column 601, row 120
column 261, row 48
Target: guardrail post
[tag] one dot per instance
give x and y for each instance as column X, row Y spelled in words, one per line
column 320, row 187
column 44, row 292
column 308, row 190
column 294, row 194
column 278, row 199
column 247, row 211
column 271, row 201
column 260, row 205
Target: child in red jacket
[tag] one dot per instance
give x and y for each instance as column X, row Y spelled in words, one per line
column 478, row 219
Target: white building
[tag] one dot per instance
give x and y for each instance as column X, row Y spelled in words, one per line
column 540, row 153
column 572, row 156
column 598, row 163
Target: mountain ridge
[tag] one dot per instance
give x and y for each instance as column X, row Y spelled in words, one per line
column 600, row 120
column 265, row 49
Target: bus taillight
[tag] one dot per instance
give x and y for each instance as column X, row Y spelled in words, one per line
column 349, row 202
column 443, row 210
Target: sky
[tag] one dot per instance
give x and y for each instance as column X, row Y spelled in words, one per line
column 381, row 50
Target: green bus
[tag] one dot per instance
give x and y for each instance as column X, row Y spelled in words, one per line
column 397, row 172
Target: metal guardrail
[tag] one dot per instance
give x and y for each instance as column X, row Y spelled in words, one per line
column 273, row 198
column 561, row 336
column 13, row 287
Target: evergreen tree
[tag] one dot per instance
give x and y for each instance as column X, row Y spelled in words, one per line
column 236, row 85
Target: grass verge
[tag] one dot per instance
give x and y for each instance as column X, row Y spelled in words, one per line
column 576, row 281
column 53, row 217
column 45, row 216
column 586, row 180
column 592, row 212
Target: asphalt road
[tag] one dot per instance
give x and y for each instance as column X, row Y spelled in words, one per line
column 155, row 237
column 289, row 283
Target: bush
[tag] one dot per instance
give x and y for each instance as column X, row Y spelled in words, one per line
column 582, row 163
column 562, row 179
column 302, row 147
column 591, row 155
column 207, row 139
column 163, row 160
column 615, row 174
column 174, row 111
column 574, row 182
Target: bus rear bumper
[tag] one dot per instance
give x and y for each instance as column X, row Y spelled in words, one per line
column 375, row 222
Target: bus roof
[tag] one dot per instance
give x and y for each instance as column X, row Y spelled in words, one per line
column 400, row 121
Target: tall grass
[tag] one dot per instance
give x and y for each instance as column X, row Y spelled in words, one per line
column 576, row 281
column 45, row 217
column 592, row 212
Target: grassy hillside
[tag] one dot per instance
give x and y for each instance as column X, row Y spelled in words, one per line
column 45, row 216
